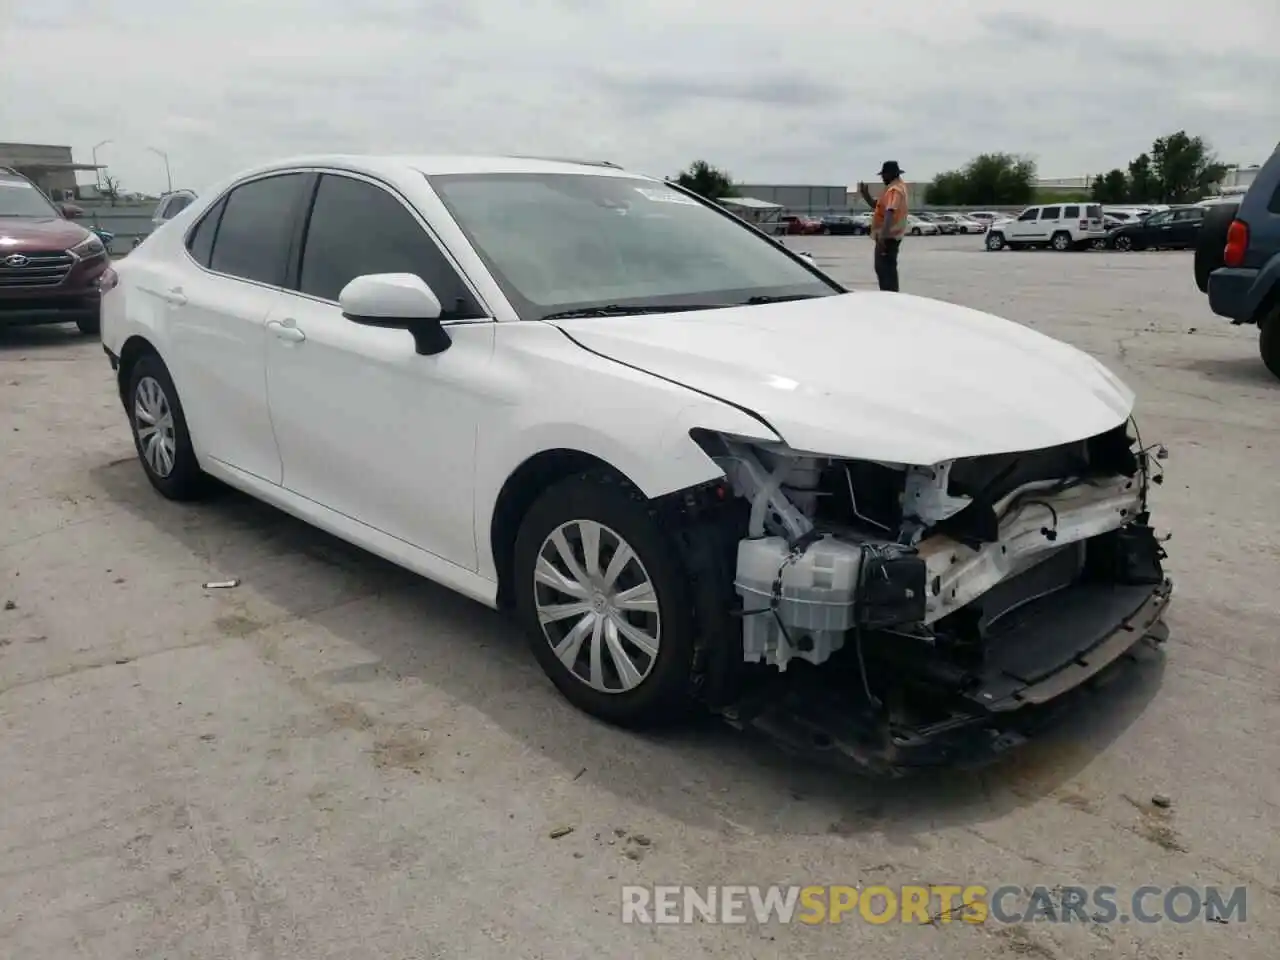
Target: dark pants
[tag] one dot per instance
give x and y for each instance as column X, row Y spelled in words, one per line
column 887, row 265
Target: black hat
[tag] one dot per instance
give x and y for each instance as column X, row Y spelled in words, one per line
column 891, row 168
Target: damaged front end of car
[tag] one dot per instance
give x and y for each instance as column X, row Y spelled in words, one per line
column 905, row 615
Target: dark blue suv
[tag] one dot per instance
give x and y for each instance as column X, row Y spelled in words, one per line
column 1238, row 260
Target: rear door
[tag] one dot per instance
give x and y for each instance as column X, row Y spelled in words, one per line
column 218, row 315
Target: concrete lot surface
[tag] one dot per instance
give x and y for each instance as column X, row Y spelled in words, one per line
column 336, row 760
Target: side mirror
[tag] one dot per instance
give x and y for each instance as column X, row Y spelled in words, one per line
column 70, row 211
column 397, row 301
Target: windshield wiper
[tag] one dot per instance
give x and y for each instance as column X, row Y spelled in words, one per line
column 753, row 301
column 619, row 310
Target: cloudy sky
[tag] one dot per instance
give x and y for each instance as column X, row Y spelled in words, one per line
column 804, row 92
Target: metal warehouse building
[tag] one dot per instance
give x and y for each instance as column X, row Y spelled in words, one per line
column 50, row 167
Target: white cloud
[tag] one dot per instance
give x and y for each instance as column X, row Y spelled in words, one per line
column 816, row 92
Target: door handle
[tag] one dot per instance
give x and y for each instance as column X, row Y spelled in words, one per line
column 175, row 296
column 287, row 330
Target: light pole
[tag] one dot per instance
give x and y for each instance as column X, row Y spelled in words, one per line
column 97, row 174
column 165, row 157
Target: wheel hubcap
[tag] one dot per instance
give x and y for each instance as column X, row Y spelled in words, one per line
column 153, row 422
column 1123, row 243
column 597, row 606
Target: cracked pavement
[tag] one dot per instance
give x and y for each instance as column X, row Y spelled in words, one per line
column 338, row 760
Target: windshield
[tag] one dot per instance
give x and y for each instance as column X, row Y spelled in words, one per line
column 18, row 198
column 567, row 242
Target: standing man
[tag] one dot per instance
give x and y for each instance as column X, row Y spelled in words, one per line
column 888, row 223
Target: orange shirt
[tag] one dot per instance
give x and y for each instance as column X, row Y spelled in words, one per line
column 895, row 196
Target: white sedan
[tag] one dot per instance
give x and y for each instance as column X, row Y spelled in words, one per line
column 697, row 469
column 918, row 225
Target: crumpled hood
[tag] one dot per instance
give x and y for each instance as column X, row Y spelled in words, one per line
column 876, row 376
column 26, row 233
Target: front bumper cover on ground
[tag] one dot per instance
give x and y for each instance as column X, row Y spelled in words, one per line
column 1020, row 692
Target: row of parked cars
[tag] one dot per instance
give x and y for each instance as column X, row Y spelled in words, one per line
column 1079, row 226
column 859, row 224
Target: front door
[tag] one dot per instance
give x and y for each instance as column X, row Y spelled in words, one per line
column 366, row 426
column 218, row 312
column 1026, row 228
column 1186, row 226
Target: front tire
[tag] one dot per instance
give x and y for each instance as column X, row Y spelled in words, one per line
column 602, row 595
column 995, row 241
column 160, row 432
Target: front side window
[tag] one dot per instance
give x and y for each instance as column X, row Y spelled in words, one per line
column 1030, row 214
column 20, row 198
column 566, row 242
column 357, row 228
column 1157, row 219
column 256, row 227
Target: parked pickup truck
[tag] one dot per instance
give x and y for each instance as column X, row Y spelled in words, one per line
column 1237, row 260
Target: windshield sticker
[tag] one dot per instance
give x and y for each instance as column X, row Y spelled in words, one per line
column 665, row 196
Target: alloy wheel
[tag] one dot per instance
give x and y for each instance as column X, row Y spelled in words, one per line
column 1124, row 243
column 597, row 606
column 154, row 424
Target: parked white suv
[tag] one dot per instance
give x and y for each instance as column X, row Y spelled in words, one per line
column 1062, row 226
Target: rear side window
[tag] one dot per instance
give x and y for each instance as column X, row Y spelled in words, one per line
column 1051, row 213
column 200, row 240
column 256, row 227
column 357, row 228
column 1071, row 213
column 1093, row 212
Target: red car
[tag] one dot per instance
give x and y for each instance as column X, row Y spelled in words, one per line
column 50, row 267
column 792, row 224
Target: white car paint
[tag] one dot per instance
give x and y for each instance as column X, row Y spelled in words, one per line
column 992, row 386
column 879, row 376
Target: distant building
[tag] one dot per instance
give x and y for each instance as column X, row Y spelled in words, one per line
column 52, row 168
column 798, row 198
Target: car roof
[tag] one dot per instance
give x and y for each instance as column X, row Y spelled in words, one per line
column 431, row 165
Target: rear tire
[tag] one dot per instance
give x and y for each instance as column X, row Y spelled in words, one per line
column 600, row 514
column 1269, row 341
column 1211, row 241
column 160, row 432
column 1061, row 241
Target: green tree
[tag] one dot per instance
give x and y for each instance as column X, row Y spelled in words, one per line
column 706, row 181
column 1144, row 187
column 946, row 190
column 1110, row 187
column 989, row 179
column 1184, row 167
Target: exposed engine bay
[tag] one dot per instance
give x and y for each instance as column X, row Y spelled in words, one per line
column 943, row 594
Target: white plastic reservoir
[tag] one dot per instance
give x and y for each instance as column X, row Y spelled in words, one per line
column 816, row 604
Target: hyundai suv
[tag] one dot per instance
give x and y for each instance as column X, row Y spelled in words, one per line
column 50, row 267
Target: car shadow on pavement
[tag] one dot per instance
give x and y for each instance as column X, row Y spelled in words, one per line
column 1245, row 371
column 705, row 774
column 42, row 337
